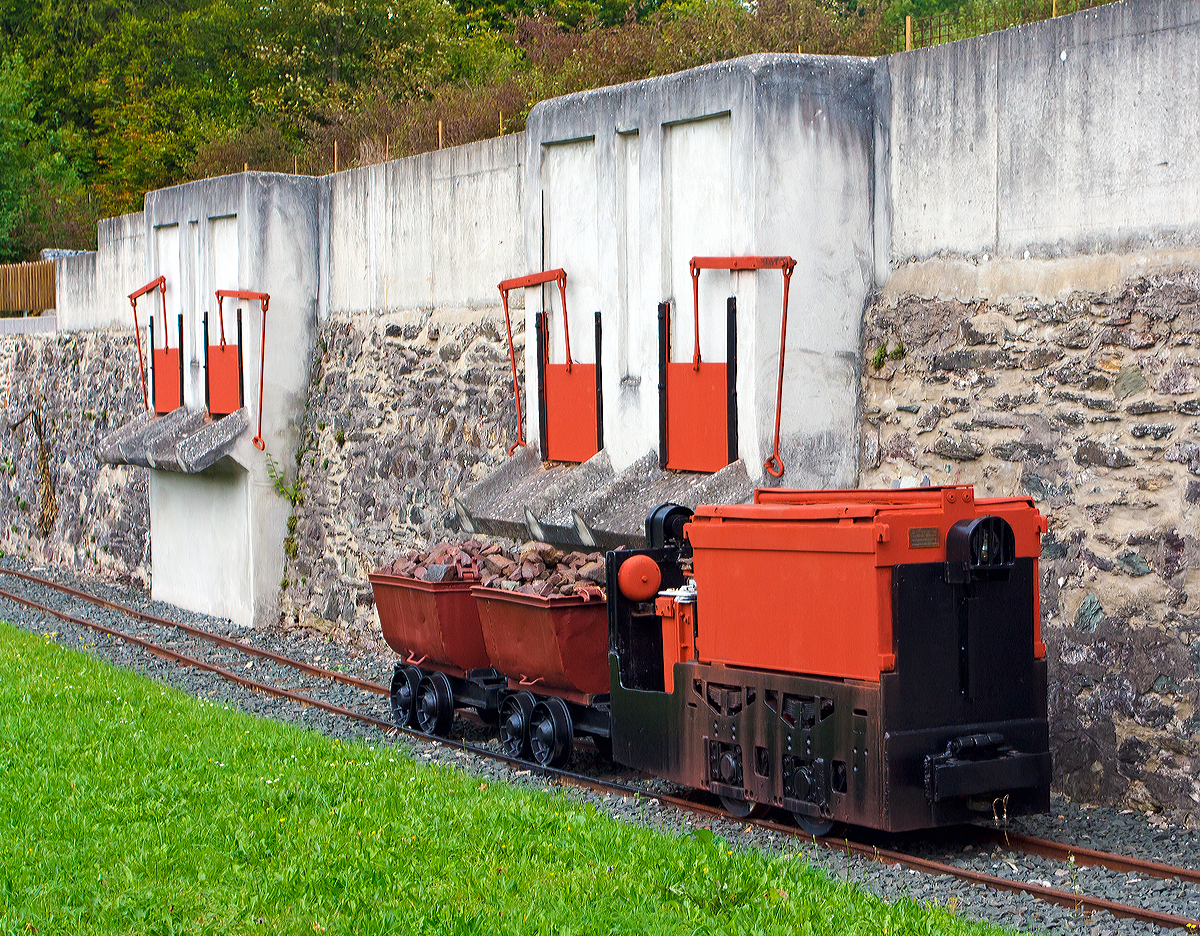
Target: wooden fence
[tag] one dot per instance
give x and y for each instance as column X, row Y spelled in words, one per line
column 984, row 16
column 27, row 287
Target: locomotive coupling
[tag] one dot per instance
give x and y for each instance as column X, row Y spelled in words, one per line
column 982, row 764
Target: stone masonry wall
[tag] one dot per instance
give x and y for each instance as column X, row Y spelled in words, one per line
column 1092, row 407
column 406, row 409
column 59, row 395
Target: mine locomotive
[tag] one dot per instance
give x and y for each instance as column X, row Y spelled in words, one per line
column 864, row 657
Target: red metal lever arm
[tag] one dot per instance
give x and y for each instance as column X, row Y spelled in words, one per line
column 265, row 299
column 161, row 284
column 774, row 464
column 512, row 360
column 520, row 282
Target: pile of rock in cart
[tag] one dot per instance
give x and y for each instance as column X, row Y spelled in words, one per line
column 532, row 568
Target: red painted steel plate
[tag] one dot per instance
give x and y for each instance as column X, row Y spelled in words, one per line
column 697, row 417
column 433, row 624
column 168, row 394
column 800, row 582
column 571, row 413
column 224, row 380
column 556, row 645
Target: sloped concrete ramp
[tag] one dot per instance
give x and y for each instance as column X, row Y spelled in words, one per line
column 588, row 504
column 183, row 441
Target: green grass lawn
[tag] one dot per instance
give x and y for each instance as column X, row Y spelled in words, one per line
column 127, row 807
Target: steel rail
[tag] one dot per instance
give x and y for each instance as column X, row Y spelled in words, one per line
column 1087, row 857
column 175, row 656
column 389, row 726
column 1073, row 900
column 364, row 684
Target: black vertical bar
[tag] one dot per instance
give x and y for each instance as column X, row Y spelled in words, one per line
column 731, row 376
column 153, row 371
column 663, row 353
column 207, row 372
column 181, row 359
column 540, row 327
column 241, row 374
column 964, row 656
column 599, row 391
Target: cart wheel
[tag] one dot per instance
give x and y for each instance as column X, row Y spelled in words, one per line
column 404, row 691
column 550, row 733
column 811, row 826
column 744, row 808
column 435, row 705
column 514, row 724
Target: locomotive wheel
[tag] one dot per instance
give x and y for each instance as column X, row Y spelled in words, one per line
column 435, row 705
column 811, row 826
column 404, row 691
column 514, row 724
column 551, row 733
column 744, row 809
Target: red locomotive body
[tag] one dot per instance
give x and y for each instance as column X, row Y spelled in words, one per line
column 867, row 657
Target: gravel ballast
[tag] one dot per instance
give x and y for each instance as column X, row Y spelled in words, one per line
column 1105, row 829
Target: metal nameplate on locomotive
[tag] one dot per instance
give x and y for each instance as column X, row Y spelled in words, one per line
column 923, row 537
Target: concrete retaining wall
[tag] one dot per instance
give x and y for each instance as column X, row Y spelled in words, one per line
column 767, row 155
column 1070, row 136
column 218, row 535
column 436, row 230
column 93, row 287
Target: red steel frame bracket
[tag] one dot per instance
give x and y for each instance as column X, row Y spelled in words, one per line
column 161, row 285
column 265, row 299
column 520, row 282
column 774, row 464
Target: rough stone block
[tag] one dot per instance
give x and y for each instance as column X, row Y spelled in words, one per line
column 1147, row 408
column 1186, row 453
column 1133, row 563
column 1101, row 455
column 1151, row 431
column 1089, row 614
column 1130, row 380
column 964, row 448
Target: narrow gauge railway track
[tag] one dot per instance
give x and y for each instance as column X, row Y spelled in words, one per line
column 1014, row 841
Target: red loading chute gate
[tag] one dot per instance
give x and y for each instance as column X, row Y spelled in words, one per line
column 224, row 368
column 167, row 363
column 226, row 358
column 225, row 390
column 569, row 397
column 697, row 399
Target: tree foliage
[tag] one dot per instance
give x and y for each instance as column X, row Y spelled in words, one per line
column 102, row 101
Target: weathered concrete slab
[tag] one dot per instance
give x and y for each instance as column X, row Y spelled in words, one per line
column 588, row 504
column 183, row 441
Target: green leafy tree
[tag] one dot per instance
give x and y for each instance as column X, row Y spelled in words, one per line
column 17, row 130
